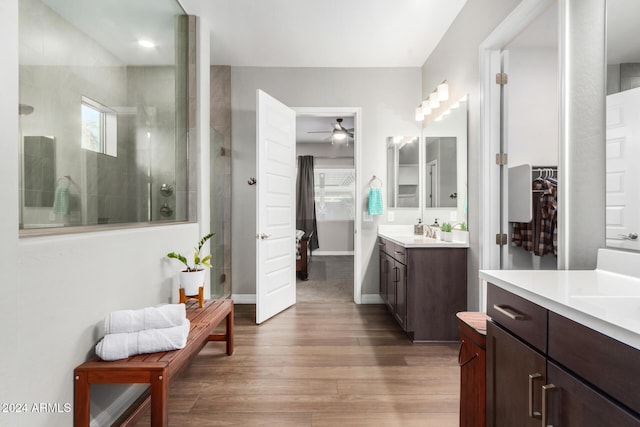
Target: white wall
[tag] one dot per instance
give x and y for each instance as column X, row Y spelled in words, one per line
column 57, row 290
column 456, row 59
column 388, row 98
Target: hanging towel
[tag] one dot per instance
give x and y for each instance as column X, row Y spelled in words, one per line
column 164, row 316
column 121, row 346
column 61, row 201
column 375, row 201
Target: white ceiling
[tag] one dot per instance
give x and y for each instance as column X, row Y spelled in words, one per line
column 324, row 33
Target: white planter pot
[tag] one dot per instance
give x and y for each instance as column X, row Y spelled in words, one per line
column 447, row 236
column 191, row 281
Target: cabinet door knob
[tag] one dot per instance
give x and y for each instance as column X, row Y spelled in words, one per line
column 532, row 377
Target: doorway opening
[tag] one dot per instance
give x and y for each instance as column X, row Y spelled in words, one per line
column 332, row 269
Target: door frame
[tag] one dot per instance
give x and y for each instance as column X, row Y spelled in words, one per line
column 490, row 111
column 356, row 112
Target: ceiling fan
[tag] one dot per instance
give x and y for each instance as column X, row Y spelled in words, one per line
column 339, row 133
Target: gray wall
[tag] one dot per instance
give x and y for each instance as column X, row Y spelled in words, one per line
column 388, row 98
column 456, row 59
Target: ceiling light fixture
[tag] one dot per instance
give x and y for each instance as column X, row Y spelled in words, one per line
column 146, row 43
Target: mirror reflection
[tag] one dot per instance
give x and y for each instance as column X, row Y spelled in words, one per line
column 445, row 160
column 403, row 171
column 623, row 125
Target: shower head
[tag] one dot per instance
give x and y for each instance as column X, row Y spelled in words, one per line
column 24, row 109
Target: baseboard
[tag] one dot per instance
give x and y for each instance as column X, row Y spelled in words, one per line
column 331, row 253
column 107, row 416
column 243, row 298
column 371, row 299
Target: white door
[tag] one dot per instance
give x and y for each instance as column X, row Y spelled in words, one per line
column 623, row 147
column 276, row 205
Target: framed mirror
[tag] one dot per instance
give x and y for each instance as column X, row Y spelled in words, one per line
column 444, row 162
column 623, row 125
column 403, row 172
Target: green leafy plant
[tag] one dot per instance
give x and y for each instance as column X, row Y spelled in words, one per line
column 198, row 260
column 463, row 226
column 445, row 227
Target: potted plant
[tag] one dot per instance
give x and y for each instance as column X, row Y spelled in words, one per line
column 445, row 228
column 192, row 277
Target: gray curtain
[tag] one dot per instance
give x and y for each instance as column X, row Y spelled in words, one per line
column 305, row 200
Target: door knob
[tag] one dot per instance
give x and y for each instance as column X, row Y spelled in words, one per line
column 263, row 236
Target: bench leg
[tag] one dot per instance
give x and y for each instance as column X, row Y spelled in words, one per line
column 159, row 397
column 230, row 332
column 82, row 399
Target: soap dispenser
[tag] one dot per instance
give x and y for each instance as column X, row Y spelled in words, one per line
column 418, row 228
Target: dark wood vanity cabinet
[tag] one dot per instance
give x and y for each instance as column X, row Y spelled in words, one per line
column 424, row 288
column 545, row 369
column 393, row 282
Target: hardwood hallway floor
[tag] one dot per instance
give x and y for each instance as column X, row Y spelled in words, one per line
column 319, row 364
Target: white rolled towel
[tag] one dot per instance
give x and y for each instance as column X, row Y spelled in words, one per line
column 164, row 316
column 123, row 345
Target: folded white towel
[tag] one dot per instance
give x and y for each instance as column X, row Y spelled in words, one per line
column 123, row 345
column 164, row 316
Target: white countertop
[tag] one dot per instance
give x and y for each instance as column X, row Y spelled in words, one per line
column 403, row 235
column 603, row 299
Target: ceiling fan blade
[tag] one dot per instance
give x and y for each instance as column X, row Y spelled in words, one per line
column 319, row 131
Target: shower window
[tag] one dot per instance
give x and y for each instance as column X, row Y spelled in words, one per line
column 99, row 127
column 107, row 117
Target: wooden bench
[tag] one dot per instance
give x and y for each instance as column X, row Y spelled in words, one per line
column 155, row 369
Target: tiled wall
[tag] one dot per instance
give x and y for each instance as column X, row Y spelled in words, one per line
column 220, row 80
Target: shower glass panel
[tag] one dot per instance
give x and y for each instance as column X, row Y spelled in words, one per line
column 115, row 111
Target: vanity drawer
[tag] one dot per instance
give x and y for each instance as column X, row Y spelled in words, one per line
column 523, row 318
column 608, row 364
column 399, row 253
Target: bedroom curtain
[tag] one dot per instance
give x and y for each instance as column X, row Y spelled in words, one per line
column 305, row 200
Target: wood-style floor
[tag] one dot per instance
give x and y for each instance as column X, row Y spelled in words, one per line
column 319, row 364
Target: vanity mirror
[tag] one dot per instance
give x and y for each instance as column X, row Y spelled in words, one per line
column 445, row 162
column 403, row 171
column 623, row 125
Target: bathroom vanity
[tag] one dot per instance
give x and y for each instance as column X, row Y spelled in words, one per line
column 423, row 282
column 563, row 347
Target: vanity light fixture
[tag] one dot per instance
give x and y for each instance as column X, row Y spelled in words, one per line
column 443, row 91
column 426, row 108
column 146, row 43
column 434, row 101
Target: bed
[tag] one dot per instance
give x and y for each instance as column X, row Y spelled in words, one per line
column 303, row 254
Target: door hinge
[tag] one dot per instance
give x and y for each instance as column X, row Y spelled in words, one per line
column 502, row 78
column 501, row 239
column 501, row 159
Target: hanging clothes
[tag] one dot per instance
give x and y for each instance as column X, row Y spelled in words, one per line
column 540, row 235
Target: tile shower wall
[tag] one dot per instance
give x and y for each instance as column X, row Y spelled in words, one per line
column 220, row 82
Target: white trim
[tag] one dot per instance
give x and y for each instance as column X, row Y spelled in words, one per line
column 357, row 146
column 106, row 416
column 371, row 299
column 243, row 298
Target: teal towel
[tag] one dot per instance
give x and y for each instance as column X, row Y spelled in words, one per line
column 375, row 201
column 61, row 201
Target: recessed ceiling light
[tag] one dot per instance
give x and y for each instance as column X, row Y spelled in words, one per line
column 146, row 43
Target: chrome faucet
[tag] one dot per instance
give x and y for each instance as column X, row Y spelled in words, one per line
column 431, row 232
